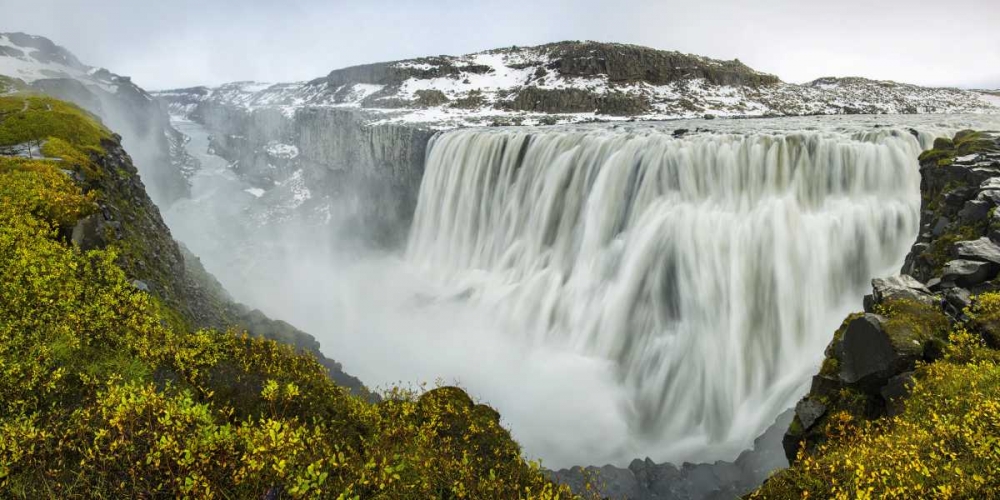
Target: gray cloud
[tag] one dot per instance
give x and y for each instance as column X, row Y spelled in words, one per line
column 191, row 42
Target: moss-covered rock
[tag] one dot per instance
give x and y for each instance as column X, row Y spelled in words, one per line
column 936, row 445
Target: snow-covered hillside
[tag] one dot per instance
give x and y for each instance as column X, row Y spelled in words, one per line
column 37, row 64
column 571, row 82
column 29, row 59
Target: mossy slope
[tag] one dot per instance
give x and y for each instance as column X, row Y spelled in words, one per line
column 107, row 392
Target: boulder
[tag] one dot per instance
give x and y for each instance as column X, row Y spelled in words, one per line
column 901, row 287
column 982, row 249
column 809, row 411
column 974, row 211
column 959, row 298
column 825, row 386
column 870, row 356
column 87, row 234
column 940, row 226
column 934, row 284
column 966, row 273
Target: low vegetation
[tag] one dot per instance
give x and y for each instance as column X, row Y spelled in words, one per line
column 103, row 395
column 943, row 445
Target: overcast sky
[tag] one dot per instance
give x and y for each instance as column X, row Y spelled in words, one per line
column 173, row 43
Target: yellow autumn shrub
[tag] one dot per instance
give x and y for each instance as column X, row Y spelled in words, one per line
column 102, row 396
column 945, row 444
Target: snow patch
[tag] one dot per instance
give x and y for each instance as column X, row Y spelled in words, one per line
column 282, row 151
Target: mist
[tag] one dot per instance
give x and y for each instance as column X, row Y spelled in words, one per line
column 392, row 317
column 389, row 324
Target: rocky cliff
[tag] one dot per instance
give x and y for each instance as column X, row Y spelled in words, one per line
column 324, row 165
column 128, row 215
column 353, row 142
column 127, row 220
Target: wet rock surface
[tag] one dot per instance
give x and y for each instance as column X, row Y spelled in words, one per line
column 647, row 480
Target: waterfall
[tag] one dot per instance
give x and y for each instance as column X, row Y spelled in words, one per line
column 710, row 270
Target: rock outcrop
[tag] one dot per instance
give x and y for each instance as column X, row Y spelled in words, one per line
column 870, row 361
column 647, row 480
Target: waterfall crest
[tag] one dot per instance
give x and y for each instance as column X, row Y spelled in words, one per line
column 709, row 270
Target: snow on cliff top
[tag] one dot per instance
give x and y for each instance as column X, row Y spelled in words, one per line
column 32, row 58
column 572, row 82
column 29, row 63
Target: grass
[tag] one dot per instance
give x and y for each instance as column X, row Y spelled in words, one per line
column 37, row 118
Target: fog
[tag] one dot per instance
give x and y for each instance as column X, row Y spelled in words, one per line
column 190, row 42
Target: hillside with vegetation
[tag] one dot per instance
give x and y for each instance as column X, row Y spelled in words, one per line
column 110, row 387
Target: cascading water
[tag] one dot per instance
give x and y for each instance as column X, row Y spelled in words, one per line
column 708, row 270
column 613, row 291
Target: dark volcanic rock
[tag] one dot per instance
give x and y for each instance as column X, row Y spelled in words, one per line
column 974, row 211
column 895, row 392
column 87, row 235
column 901, row 287
column 968, row 272
column 631, row 63
column 982, row 249
column 959, row 298
column 647, row 480
column 867, row 353
column 809, row 411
